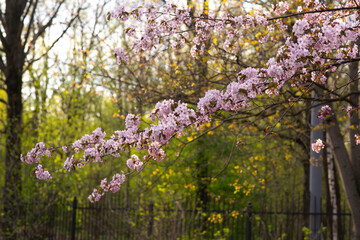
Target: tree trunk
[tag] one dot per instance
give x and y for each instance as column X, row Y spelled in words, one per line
column 201, row 175
column 333, row 196
column 327, row 173
column 306, row 168
column 13, row 81
column 12, row 188
column 346, row 171
column 306, row 193
column 354, row 119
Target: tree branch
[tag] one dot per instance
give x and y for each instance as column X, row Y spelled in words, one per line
column 43, row 28
column 3, row 101
column 2, row 65
column 2, row 38
column 314, row 11
column 26, row 12
column 2, row 20
column 31, row 23
column 281, row 17
column 53, row 44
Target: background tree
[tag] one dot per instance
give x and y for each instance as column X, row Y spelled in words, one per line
column 21, row 26
column 262, row 113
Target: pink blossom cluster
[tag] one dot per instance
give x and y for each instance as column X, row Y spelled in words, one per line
column 41, row 174
column 312, row 44
column 168, row 21
column 325, row 112
column 95, row 195
column 134, row 163
column 159, row 24
column 212, row 102
column 113, row 186
column 69, row 163
column 34, row 155
column 94, row 146
column 121, row 56
column 132, row 121
column 156, row 152
column 349, row 110
column 172, row 118
column 281, row 8
column 317, row 146
column 357, row 139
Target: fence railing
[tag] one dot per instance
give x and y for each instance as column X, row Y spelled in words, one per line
column 114, row 218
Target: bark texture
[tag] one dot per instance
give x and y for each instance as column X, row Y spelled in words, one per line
column 346, row 171
column 13, row 81
column 354, row 119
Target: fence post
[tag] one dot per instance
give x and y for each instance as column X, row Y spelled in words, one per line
column 151, row 220
column 248, row 221
column 73, row 222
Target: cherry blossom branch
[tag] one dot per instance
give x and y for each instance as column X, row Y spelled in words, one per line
column 304, row 55
column 314, row 11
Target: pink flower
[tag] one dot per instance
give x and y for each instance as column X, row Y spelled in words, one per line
column 34, row 155
column 272, row 92
column 119, row 13
column 317, row 146
column 95, row 196
column 349, row 110
column 69, row 163
column 41, row 174
column 97, row 135
column 281, row 8
column 117, row 180
column 357, row 139
column 325, row 112
column 130, row 31
column 260, row 19
column 194, row 51
column 300, row 27
column 132, row 121
column 113, row 186
column 162, row 109
column 104, row 185
column 64, row 148
column 134, row 163
column 354, row 52
column 211, row 102
column 121, row 56
column 156, row 152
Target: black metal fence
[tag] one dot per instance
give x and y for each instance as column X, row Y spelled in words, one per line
column 114, row 218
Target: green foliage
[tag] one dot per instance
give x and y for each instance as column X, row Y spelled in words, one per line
column 57, row 113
